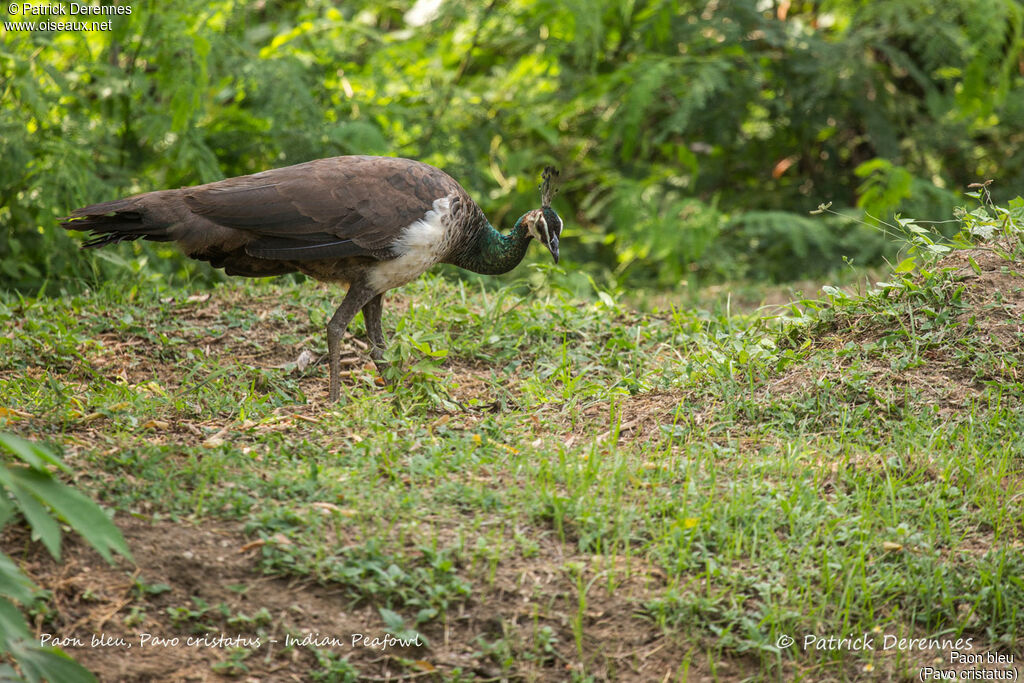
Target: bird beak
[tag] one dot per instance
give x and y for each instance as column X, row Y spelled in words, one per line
column 553, row 247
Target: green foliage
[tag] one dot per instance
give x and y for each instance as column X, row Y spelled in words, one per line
column 672, row 119
column 777, row 245
column 552, row 467
column 371, row 574
column 29, row 488
column 999, row 226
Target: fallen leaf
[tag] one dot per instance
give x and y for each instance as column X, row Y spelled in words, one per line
column 251, row 545
column 216, row 440
column 152, row 388
column 326, row 507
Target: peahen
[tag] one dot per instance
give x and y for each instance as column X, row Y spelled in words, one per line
column 373, row 223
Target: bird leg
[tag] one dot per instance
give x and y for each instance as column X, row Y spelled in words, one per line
column 371, row 316
column 356, row 298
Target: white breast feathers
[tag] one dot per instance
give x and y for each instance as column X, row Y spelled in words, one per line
column 420, row 246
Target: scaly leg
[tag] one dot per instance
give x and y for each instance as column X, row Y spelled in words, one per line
column 356, row 298
column 371, row 316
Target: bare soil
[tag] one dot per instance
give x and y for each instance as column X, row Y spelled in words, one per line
column 990, row 321
column 525, row 599
column 218, row 565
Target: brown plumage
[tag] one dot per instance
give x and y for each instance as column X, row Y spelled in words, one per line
column 372, row 223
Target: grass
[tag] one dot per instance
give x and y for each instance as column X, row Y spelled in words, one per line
column 555, row 488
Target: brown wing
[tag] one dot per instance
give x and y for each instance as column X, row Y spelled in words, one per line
column 325, row 208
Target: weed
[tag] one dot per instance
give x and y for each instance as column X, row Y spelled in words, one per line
column 543, row 466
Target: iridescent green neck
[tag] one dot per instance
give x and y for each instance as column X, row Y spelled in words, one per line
column 492, row 253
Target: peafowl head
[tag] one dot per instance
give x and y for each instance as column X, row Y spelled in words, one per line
column 543, row 224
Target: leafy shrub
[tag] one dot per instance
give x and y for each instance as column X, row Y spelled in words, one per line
column 671, row 119
column 28, row 488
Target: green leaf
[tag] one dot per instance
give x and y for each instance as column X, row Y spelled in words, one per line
column 33, row 454
column 50, row 664
column 906, row 265
column 425, row 348
column 396, row 626
column 13, row 583
column 606, row 299
column 393, row 620
column 12, row 625
column 82, row 514
column 6, row 509
column 44, row 528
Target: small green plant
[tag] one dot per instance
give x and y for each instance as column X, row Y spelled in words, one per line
column 234, row 664
column 333, row 668
column 396, row 626
column 142, row 589
column 29, row 488
column 985, row 223
column 428, row 585
column 733, row 476
column 415, row 373
column 500, row 650
column 545, row 641
column 193, row 617
column 262, row 617
column 136, row 616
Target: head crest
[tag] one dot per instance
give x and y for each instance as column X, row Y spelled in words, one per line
column 547, row 186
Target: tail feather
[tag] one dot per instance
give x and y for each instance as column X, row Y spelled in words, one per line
column 113, row 222
column 112, row 206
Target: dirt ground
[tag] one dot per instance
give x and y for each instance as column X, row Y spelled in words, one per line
column 219, row 565
column 177, row 562
column 992, row 294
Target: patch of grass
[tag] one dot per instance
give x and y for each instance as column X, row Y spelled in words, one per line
column 545, row 472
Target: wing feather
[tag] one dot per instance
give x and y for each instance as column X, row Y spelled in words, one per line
column 327, row 208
